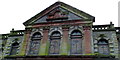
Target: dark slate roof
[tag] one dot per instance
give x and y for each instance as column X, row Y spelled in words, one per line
column 63, row 5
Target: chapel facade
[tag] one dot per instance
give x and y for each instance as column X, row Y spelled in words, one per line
column 61, row 32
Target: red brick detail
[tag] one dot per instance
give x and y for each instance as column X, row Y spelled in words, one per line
column 45, row 36
column 27, row 38
column 65, row 35
column 73, row 22
column 87, row 40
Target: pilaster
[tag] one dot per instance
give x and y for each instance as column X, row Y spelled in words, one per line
column 24, row 49
column 65, row 42
column 44, row 46
column 87, row 40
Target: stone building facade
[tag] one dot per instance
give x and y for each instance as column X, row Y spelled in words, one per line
column 61, row 32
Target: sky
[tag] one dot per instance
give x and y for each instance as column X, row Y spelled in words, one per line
column 14, row 12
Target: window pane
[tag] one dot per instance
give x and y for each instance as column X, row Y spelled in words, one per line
column 14, row 48
column 54, row 46
column 34, row 48
column 76, row 47
column 103, row 46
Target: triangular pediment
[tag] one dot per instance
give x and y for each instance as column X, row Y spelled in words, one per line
column 59, row 12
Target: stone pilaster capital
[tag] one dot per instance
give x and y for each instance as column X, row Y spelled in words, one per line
column 86, row 27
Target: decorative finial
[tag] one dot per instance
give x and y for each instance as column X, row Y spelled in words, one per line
column 12, row 29
column 58, row 0
column 110, row 23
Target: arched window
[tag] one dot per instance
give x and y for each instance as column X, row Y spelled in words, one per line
column 55, row 43
column 35, row 44
column 14, row 48
column 76, row 42
column 103, row 47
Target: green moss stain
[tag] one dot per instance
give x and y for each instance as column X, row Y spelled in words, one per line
column 64, row 48
column 22, row 49
column 47, row 48
column 42, row 49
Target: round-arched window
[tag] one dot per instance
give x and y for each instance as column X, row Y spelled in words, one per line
column 103, row 47
column 14, row 48
column 35, row 44
column 76, row 42
column 55, row 42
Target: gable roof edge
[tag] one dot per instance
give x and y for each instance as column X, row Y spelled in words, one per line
column 63, row 5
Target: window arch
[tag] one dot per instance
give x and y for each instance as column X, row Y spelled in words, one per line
column 55, row 39
column 76, row 42
column 35, row 44
column 14, row 48
column 103, row 47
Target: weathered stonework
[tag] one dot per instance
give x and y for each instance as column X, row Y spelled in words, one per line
column 75, row 37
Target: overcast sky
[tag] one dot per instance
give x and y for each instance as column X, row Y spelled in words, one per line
column 14, row 12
